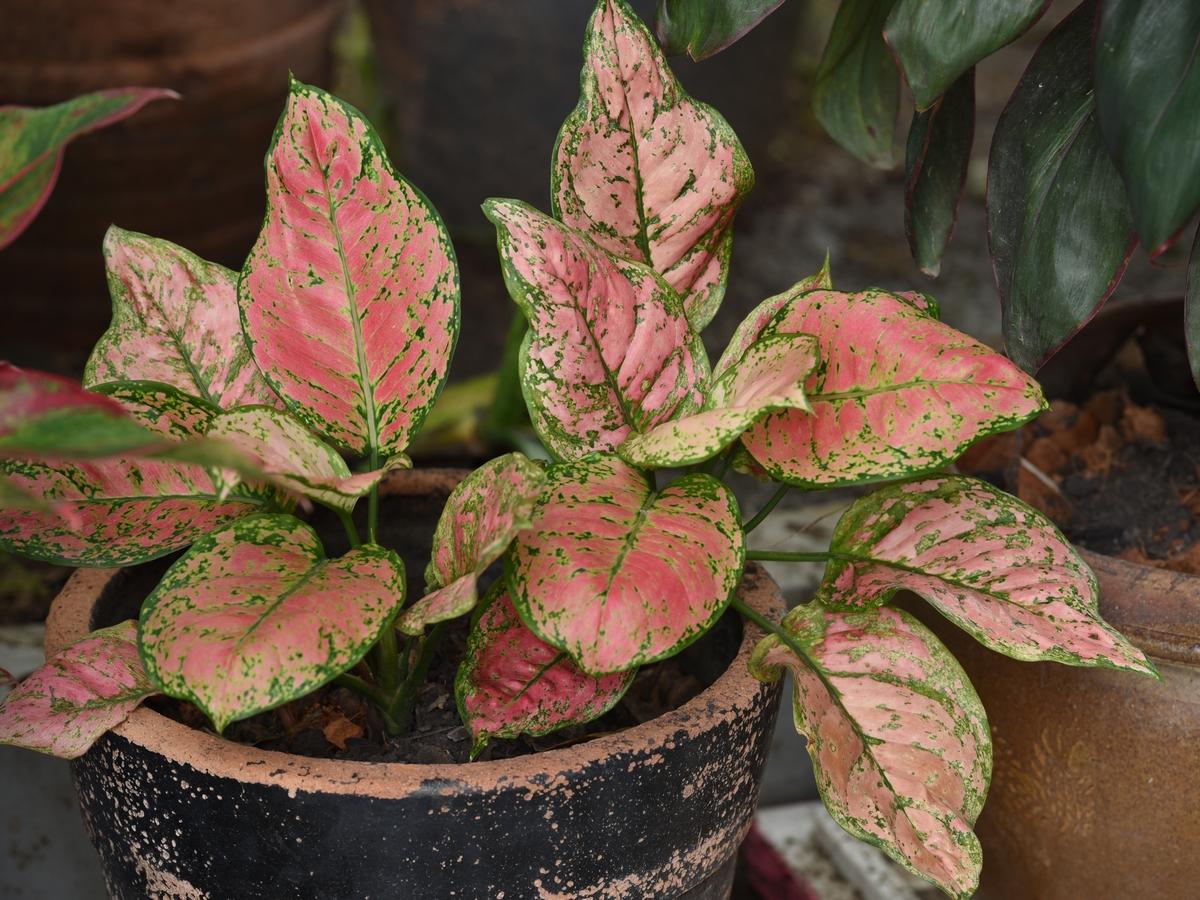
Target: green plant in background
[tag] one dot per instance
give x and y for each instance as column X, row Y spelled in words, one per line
column 1097, row 151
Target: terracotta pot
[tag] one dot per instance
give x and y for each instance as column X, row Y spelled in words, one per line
column 1096, row 790
column 189, row 171
column 657, row 810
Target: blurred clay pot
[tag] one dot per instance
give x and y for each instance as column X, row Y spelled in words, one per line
column 189, row 171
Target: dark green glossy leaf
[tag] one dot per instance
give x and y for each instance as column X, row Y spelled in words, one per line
column 936, row 41
column 939, row 149
column 701, row 28
column 1148, row 106
column 1058, row 222
column 1191, row 310
column 858, row 87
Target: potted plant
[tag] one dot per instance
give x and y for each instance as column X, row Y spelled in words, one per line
column 216, row 402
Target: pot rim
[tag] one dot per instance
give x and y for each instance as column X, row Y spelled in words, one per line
column 732, row 694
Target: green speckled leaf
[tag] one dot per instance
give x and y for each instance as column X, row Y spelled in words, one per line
column 255, row 615
column 620, row 575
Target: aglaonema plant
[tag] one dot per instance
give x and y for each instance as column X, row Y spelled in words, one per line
column 217, row 402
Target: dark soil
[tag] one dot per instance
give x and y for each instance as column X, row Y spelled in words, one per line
column 1118, row 471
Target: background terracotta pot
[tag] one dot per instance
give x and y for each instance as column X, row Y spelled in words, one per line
column 189, row 171
column 657, row 810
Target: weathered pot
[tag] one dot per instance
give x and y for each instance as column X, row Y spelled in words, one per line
column 1096, row 791
column 188, row 171
column 657, row 810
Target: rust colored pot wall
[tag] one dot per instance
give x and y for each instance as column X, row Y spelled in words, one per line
column 1096, row 791
column 657, row 810
column 189, row 171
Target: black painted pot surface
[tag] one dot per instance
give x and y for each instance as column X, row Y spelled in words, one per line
column 655, row 811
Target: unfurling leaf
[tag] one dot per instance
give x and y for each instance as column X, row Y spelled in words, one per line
column 857, row 91
column 898, row 738
column 292, row 457
column 937, row 41
column 175, row 321
column 897, row 393
column 995, row 567
column 512, row 682
column 939, row 150
column 1059, row 225
column 1147, row 105
column 619, row 575
column 350, row 295
column 768, row 378
column 645, row 171
column 255, row 615
column 81, row 692
column 751, row 328
column 32, row 142
column 609, row 351
column 481, row 518
column 702, row 28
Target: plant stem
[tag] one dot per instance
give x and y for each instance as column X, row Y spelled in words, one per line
column 373, row 502
column 351, row 528
column 762, row 514
column 769, row 627
column 387, row 661
column 406, row 698
column 788, row 556
column 363, row 688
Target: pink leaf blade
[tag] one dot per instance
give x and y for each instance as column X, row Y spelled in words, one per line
column 511, row 682
column 619, row 575
column 33, row 141
column 898, row 737
column 162, row 408
column 481, row 517
column 255, row 615
column 609, row 350
column 769, row 378
column 175, row 321
column 995, row 567
column 80, row 693
column 898, row 393
column 350, row 296
column 644, row 170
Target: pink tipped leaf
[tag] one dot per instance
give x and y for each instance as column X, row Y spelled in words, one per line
column 255, row 615
column 175, row 321
column 769, row 378
column 897, row 393
column 80, row 693
column 992, row 565
column 609, row 351
column 32, row 142
column 292, row 457
column 644, row 170
column 511, row 682
column 619, row 575
column 350, row 294
column 481, row 518
column 898, row 738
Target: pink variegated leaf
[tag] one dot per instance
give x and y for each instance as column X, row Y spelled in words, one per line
column 255, row 615
column 644, row 170
column 898, row 738
column 350, row 294
column 897, row 393
column 32, row 142
column 113, row 512
column 994, row 566
column 27, row 394
column 292, row 457
column 511, row 682
column 163, row 409
column 769, row 378
column 619, row 575
column 81, row 692
column 751, row 328
column 175, row 321
column 481, row 518
column 609, row 351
